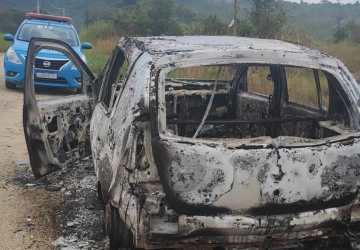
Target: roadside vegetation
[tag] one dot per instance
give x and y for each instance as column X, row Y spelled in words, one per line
column 103, row 38
column 167, row 17
column 98, row 56
column 347, row 51
column 3, row 44
column 264, row 18
column 330, row 27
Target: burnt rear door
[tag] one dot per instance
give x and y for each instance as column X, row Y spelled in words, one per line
column 57, row 127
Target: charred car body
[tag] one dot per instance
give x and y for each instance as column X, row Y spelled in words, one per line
column 213, row 141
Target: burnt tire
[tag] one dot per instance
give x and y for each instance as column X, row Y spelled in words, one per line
column 119, row 234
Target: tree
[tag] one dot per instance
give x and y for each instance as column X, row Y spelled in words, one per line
column 162, row 17
column 246, row 28
column 212, row 25
column 146, row 18
column 353, row 31
column 268, row 18
column 132, row 21
column 355, row 34
column 340, row 34
column 348, row 31
column 10, row 20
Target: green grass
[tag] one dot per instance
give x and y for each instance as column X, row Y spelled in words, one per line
column 348, row 52
column 104, row 40
column 98, row 56
column 101, row 35
column 3, row 44
column 96, row 61
column 97, row 30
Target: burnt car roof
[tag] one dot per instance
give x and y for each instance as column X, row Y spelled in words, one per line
column 173, row 49
column 177, row 44
column 184, row 51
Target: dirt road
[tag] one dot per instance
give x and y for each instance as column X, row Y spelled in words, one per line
column 26, row 214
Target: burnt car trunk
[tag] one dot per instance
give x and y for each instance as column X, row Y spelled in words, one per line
column 257, row 179
column 242, row 142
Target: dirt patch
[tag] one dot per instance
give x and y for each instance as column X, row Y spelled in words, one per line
column 79, row 218
column 82, row 213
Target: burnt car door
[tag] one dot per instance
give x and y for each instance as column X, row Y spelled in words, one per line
column 104, row 131
column 57, row 129
column 101, row 132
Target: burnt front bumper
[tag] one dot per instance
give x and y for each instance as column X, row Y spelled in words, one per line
column 244, row 232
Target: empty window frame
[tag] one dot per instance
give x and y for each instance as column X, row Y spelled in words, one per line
column 114, row 78
column 259, row 80
column 200, row 101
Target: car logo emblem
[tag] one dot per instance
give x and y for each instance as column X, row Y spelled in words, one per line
column 46, row 64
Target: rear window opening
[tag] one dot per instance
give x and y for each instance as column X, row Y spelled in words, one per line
column 247, row 101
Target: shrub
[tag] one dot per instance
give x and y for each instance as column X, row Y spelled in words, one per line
column 97, row 30
column 98, row 56
column 3, row 44
column 346, row 51
column 101, row 35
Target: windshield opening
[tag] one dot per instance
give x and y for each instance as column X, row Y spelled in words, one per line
column 248, row 101
column 65, row 34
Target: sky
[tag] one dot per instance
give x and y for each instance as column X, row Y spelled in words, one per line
column 317, row 1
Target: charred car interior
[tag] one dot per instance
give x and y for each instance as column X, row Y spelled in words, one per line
column 208, row 141
column 247, row 101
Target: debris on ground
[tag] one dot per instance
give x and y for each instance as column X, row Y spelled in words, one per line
column 80, row 218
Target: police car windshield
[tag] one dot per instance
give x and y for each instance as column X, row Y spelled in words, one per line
column 65, row 34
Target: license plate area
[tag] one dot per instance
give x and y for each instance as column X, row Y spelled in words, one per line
column 46, row 75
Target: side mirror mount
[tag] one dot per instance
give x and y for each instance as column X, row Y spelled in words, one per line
column 8, row 37
column 86, row 45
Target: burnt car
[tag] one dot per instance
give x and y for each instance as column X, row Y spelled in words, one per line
column 208, row 141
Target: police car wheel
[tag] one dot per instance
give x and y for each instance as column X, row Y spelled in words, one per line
column 8, row 85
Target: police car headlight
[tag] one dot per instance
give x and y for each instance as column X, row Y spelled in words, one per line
column 12, row 56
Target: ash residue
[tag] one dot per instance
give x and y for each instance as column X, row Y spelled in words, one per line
column 341, row 177
column 80, row 218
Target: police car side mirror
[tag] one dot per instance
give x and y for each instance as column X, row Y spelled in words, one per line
column 86, row 45
column 8, row 37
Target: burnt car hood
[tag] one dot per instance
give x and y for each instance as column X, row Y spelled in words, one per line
column 203, row 177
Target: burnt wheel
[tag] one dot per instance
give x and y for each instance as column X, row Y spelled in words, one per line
column 119, row 234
